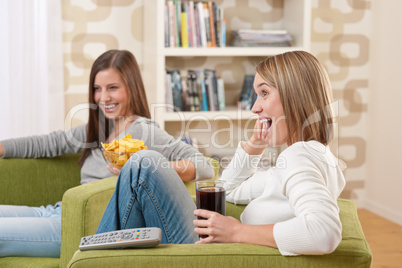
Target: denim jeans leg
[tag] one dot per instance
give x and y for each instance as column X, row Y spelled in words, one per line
column 30, row 231
column 149, row 193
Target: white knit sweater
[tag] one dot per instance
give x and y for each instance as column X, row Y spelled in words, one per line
column 298, row 195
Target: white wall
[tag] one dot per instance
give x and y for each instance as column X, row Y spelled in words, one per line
column 383, row 189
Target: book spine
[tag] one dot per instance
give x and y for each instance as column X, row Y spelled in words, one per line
column 187, row 96
column 166, row 25
column 211, row 23
column 223, row 32
column 178, row 22
column 177, row 90
column 221, row 94
column 193, row 27
column 211, row 91
column 189, row 26
column 200, row 96
column 196, row 97
column 184, row 30
column 207, row 26
column 169, row 93
column 172, row 24
column 215, row 88
column 201, row 81
column 201, row 19
column 217, row 17
column 197, row 27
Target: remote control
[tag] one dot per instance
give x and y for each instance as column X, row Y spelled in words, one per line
column 129, row 238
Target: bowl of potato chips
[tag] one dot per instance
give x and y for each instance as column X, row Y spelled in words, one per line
column 119, row 151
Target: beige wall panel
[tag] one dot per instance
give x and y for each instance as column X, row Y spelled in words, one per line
column 75, row 113
column 136, row 23
column 384, row 183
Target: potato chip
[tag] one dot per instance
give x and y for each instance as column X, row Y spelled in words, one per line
column 119, row 151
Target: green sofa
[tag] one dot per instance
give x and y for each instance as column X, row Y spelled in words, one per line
column 45, row 181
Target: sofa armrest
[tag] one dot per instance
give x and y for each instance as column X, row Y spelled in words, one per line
column 82, row 210
column 36, row 182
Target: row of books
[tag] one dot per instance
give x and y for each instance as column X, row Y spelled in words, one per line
column 262, row 38
column 194, row 91
column 194, row 24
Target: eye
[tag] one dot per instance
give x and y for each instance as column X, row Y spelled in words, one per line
column 264, row 93
column 96, row 88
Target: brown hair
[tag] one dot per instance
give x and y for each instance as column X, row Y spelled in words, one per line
column 305, row 92
column 126, row 65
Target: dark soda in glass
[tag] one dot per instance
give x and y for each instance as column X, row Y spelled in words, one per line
column 211, row 198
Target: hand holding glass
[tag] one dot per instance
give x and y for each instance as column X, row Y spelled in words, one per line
column 211, row 195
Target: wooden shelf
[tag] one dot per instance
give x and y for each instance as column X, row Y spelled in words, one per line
column 229, row 114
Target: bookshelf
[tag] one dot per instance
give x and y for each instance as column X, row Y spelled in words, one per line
column 296, row 19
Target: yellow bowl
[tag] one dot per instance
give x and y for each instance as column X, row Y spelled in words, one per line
column 116, row 159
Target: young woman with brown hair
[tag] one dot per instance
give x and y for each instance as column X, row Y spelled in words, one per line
column 118, row 106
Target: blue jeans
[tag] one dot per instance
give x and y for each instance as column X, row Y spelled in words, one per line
column 30, row 231
column 149, row 193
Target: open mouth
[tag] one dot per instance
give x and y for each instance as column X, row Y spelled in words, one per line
column 267, row 122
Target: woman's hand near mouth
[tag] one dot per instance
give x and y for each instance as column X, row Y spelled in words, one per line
column 258, row 141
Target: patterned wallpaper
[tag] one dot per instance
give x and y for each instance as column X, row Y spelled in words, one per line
column 90, row 27
column 339, row 38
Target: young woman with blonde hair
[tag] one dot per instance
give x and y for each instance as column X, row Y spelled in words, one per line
column 292, row 206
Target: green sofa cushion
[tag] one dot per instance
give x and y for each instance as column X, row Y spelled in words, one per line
column 353, row 251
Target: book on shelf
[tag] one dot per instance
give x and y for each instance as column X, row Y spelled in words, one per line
column 218, row 16
column 169, row 38
column 211, row 85
column 247, row 95
column 201, row 85
column 221, row 94
column 167, row 25
column 261, row 38
column 194, row 24
column 212, row 23
column 169, row 93
column 207, row 24
column 177, row 15
column 184, row 30
column 201, row 24
column 194, row 91
column 175, row 87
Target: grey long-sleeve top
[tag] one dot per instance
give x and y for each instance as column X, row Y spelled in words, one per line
column 74, row 141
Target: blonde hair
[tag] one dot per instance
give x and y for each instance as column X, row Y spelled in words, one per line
column 305, row 92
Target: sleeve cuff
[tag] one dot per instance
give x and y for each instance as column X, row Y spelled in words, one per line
column 8, row 146
column 203, row 168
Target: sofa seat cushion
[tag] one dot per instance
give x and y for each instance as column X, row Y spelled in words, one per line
column 353, row 251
